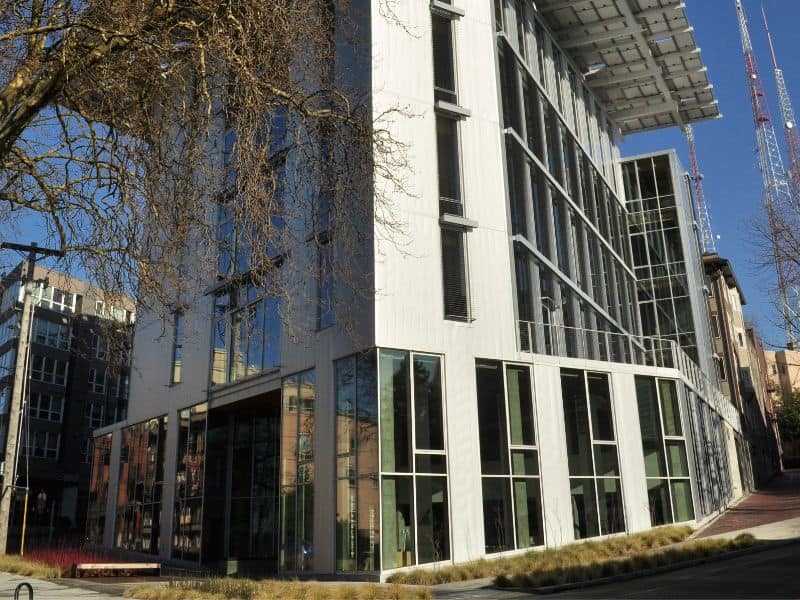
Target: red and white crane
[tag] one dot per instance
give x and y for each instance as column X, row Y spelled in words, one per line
column 777, row 198
column 787, row 114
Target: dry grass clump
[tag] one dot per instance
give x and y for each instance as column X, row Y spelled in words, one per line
column 570, row 572
column 550, row 558
column 29, row 568
column 248, row 589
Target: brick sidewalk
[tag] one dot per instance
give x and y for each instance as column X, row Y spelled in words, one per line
column 778, row 501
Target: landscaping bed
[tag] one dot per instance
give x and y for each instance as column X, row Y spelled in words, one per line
column 50, row 563
column 248, row 589
column 550, row 559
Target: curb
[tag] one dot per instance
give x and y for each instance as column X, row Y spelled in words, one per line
column 552, row 589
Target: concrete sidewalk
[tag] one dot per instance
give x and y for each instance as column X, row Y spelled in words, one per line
column 48, row 590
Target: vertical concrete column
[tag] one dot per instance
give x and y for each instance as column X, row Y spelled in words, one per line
column 325, row 468
column 168, row 489
column 113, row 489
column 463, row 455
column 556, row 498
column 629, row 448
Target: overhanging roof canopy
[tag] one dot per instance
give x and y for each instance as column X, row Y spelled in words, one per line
column 640, row 59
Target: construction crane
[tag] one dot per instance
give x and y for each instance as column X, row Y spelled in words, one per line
column 787, row 114
column 707, row 244
column 777, row 198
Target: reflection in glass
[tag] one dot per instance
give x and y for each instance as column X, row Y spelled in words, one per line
column 492, row 419
column 600, row 401
column 497, row 527
column 528, row 513
column 433, row 529
column 682, row 500
column 658, row 499
column 612, row 512
column 605, row 460
column 395, row 411
column 520, row 407
column 584, row 508
column 676, row 457
column 579, row 443
column 397, row 539
column 428, row 403
column 669, row 407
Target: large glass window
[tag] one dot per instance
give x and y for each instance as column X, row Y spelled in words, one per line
column 415, row 526
column 512, row 502
column 98, row 489
column 297, row 472
column 247, row 328
column 188, row 512
column 357, row 498
column 596, row 492
column 669, row 489
column 141, row 481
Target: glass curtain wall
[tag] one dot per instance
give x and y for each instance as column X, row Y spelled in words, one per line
column 660, row 266
column 415, row 527
column 512, row 496
column 595, row 484
column 141, row 482
column 669, row 487
column 574, row 277
column 357, row 491
column 98, row 489
column 188, row 513
column 297, row 473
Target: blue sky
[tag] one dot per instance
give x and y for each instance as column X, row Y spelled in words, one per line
column 726, row 147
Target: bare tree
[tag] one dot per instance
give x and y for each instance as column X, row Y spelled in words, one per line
column 777, row 237
column 237, row 130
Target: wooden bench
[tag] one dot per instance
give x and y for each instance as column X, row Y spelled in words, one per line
column 102, row 568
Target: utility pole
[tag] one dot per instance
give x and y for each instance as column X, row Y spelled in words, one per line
column 20, row 381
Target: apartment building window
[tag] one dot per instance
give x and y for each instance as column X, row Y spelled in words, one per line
column 357, row 489
column 741, row 339
column 99, row 346
column 178, row 327
column 715, row 325
column 415, row 527
column 594, row 476
column 44, row 444
column 54, row 299
column 87, row 451
column 47, row 406
column 512, row 497
column 49, row 333
column 95, row 414
column 448, row 115
column 97, row 380
column 48, row 370
column 669, row 489
column 109, row 311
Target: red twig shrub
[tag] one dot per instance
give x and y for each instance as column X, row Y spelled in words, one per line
column 64, row 557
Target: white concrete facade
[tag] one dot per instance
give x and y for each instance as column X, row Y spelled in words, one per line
column 407, row 311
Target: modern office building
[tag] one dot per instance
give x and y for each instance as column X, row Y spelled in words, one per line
column 74, row 385
column 743, row 374
column 498, row 393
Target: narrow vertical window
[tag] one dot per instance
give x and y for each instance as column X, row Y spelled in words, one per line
column 456, row 304
column 325, row 306
column 177, row 346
